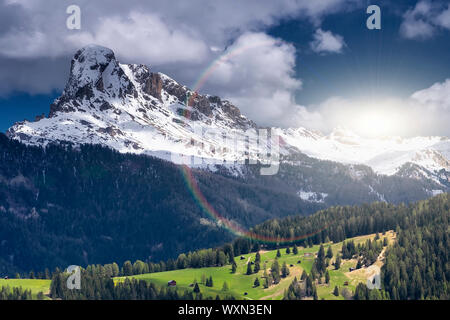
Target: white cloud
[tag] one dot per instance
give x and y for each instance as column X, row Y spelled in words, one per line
column 182, row 37
column 327, row 42
column 430, row 108
column 257, row 74
column 423, row 21
column 144, row 38
column 443, row 19
column 425, row 112
column 434, row 98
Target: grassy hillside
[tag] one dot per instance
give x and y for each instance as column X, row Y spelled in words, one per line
column 239, row 283
column 35, row 285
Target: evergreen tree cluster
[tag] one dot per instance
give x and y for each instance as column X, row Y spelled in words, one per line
column 366, row 253
column 95, row 286
column 302, row 289
column 364, row 293
column 416, row 263
column 341, row 222
column 16, row 293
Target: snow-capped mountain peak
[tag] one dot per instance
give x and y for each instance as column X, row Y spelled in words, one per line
column 130, row 108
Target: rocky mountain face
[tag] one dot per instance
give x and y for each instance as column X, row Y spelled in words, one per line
column 129, row 108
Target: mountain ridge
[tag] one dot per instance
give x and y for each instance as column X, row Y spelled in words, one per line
column 129, row 108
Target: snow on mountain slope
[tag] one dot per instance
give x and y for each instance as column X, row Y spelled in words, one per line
column 384, row 155
column 131, row 109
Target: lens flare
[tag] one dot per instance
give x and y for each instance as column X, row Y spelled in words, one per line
column 189, row 178
column 229, row 225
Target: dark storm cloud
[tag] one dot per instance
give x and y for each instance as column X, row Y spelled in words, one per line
column 27, row 75
column 181, row 38
column 159, row 33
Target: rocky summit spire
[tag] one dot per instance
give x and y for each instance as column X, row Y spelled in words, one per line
column 95, row 75
column 132, row 109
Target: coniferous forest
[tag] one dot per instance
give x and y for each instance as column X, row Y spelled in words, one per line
column 62, row 206
column 416, row 265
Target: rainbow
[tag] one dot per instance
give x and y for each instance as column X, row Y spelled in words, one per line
column 190, row 180
column 229, row 225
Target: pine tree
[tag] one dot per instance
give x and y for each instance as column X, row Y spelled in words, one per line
column 288, row 251
column 295, row 250
column 257, row 267
column 309, row 286
column 329, row 253
column 203, row 279
column 127, row 268
column 225, row 286
column 266, row 282
column 314, row 272
column 278, row 253
column 249, row 269
column 345, row 253
column 233, row 267
column 257, row 257
column 336, row 291
column 327, row 277
column 316, row 297
column 265, row 276
column 337, row 264
column 284, row 270
column 196, row 288
column 275, row 271
column 211, row 283
column 320, row 261
column 256, row 283
column 304, row 275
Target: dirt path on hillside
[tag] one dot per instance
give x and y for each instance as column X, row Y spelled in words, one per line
column 375, row 268
column 296, row 271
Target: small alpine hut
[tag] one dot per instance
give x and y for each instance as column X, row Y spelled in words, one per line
column 171, row 283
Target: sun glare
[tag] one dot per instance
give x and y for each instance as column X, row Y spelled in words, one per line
column 377, row 120
column 375, row 124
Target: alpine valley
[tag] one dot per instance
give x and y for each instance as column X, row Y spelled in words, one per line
column 99, row 179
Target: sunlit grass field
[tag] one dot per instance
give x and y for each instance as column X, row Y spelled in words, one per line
column 239, row 284
column 35, row 285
